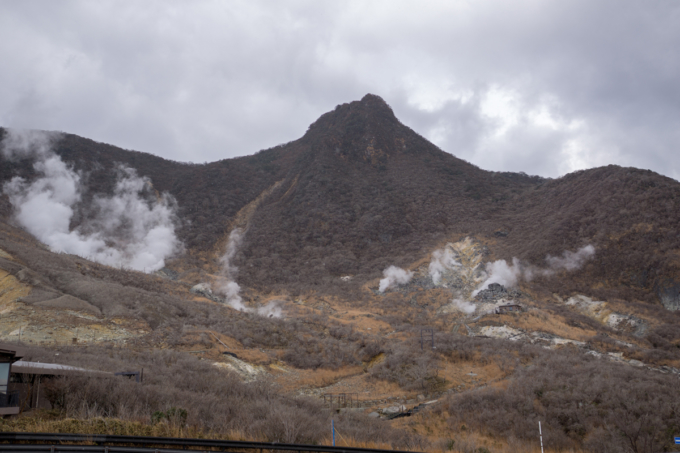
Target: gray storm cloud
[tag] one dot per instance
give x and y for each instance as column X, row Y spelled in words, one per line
column 547, row 88
column 131, row 229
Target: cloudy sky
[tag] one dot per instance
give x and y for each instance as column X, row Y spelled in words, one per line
column 544, row 87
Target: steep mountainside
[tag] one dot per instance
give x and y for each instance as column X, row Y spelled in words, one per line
column 515, row 298
column 360, row 191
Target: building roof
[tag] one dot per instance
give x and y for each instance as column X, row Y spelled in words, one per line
column 10, row 354
column 52, row 369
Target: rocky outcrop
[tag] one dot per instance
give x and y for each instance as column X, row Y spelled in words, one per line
column 495, row 292
column 203, row 289
column 669, row 295
column 70, row 303
column 167, row 273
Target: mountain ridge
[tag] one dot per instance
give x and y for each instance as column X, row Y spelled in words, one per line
column 358, row 260
column 359, row 191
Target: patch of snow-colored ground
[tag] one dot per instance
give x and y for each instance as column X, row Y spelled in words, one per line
column 244, row 369
column 504, row 332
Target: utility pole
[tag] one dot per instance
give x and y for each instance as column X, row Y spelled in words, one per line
column 333, row 429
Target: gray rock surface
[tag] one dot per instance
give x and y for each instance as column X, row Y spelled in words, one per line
column 669, row 294
column 495, row 292
column 203, row 289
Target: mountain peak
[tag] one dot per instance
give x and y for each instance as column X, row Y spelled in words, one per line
column 376, row 103
column 360, row 131
column 370, row 109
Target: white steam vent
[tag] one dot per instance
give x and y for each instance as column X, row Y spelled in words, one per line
column 464, row 306
column 509, row 275
column 394, row 276
column 126, row 230
column 442, row 260
column 226, row 284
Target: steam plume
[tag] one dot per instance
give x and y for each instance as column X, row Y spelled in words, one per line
column 394, row 276
column 271, row 310
column 442, row 260
column 464, row 306
column 226, row 284
column 131, row 229
column 499, row 272
column 229, row 289
column 571, row 260
column 509, row 275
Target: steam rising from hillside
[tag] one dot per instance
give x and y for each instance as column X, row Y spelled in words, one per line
column 271, row 310
column 571, row 261
column 394, row 276
column 133, row 228
column 464, row 306
column 226, row 284
column 442, row 260
column 509, row 275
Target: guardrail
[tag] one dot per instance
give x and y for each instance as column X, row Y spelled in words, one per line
column 104, row 443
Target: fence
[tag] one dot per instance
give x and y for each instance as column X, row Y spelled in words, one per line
column 341, row 399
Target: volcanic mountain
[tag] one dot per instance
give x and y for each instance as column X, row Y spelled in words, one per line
column 328, row 265
column 360, row 191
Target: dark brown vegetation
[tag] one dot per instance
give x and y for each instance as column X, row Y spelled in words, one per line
column 360, row 191
column 311, row 342
column 357, row 193
column 185, row 391
column 582, row 403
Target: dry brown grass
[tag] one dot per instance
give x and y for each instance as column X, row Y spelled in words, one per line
column 10, row 290
column 533, row 321
column 435, row 428
column 48, row 422
column 458, row 374
column 362, row 320
column 43, row 421
column 323, row 377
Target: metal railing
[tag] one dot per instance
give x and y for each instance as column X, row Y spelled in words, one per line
column 104, row 443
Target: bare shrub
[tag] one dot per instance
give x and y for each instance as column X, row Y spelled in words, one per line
column 181, row 390
column 583, row 403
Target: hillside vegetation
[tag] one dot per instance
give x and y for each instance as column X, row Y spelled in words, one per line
column 274, row 301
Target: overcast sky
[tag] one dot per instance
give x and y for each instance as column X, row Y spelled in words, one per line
column 544, row 87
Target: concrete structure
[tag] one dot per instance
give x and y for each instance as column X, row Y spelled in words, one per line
column 22, row 383
column 9, row 397
column 510, row 308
